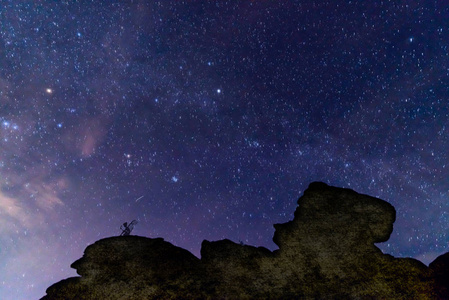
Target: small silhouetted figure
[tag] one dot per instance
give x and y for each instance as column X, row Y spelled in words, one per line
column 126, row 229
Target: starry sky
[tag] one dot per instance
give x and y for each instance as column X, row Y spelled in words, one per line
column 208, row 119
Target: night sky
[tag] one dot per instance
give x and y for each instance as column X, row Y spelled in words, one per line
column 208, row 119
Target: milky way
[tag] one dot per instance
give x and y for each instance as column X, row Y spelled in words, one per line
column 208, row 119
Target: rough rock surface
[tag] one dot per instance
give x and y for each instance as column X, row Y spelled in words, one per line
column 131, row 267
column 326, row 252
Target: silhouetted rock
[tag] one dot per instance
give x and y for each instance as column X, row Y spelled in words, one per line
column 440, row 267
column 326, row 252
column 130, row 267
column 234, row 270
column 328, row 249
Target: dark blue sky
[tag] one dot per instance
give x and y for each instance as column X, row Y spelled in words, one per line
column 218, row 114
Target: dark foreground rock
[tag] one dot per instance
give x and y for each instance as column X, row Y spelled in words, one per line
column 440, row 268
column 131, row 267
column 326, row 252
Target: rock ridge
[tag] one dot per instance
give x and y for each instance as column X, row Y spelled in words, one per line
column 326, row 252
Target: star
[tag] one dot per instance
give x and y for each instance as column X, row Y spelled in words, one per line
column 110, row 100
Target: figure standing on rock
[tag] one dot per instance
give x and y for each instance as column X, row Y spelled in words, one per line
column 126, row 229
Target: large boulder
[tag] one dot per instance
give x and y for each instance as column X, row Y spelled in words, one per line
column 131, row 267
column 328, row 251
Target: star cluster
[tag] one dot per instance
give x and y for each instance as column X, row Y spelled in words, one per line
column 208, row 119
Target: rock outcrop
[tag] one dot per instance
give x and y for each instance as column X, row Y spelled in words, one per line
column 440, row 269
column 326, row 252
column 131, row 267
